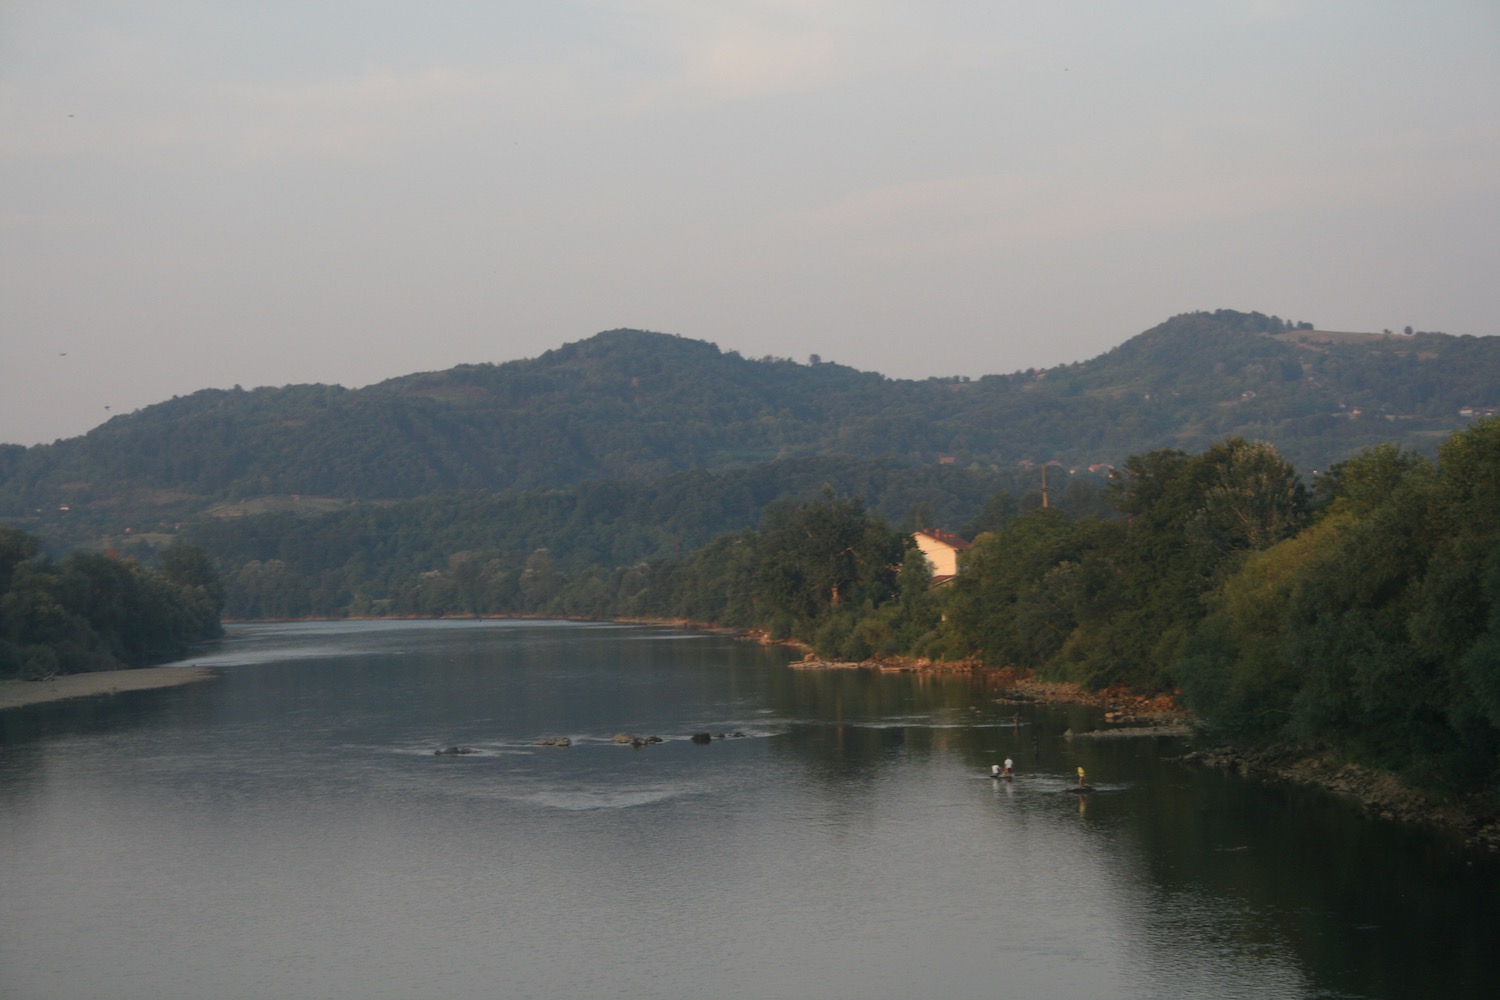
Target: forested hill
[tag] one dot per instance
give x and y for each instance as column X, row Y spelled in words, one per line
column 628, row 404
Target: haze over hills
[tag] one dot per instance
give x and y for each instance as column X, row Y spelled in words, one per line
column 633, row 405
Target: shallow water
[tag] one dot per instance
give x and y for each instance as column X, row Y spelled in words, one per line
column 287, row 830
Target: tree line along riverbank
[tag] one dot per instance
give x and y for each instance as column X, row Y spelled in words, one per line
column 1360, row 615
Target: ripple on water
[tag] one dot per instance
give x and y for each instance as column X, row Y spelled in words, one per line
column 589, row 799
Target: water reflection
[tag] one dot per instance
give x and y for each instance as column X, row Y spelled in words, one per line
column 1196, row 864
column 288, row 831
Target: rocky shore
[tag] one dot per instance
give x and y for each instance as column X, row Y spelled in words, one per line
column 1380, row 794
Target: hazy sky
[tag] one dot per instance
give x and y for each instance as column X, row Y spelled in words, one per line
column 201, row 194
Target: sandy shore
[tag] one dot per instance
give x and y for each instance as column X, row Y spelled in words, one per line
column 14, row 694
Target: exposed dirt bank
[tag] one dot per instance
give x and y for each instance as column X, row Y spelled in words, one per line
column 14, row 694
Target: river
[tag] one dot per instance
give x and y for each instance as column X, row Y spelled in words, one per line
column 287, row 830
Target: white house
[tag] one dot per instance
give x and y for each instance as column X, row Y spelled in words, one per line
column 941, row 549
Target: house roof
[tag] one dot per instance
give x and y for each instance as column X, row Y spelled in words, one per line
column 948, row 538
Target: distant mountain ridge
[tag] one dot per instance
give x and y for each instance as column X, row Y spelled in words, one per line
column 627, row 404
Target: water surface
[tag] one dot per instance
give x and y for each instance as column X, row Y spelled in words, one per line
column 287, row 830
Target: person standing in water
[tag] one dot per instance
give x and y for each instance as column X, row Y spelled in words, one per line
column 1080, row 777
column 1010, row 768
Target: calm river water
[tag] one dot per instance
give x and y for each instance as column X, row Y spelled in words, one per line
column 287, row 831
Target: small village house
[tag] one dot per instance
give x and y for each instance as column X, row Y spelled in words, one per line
column 942, row 550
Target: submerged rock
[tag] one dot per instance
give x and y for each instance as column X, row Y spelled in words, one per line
column 453, row 751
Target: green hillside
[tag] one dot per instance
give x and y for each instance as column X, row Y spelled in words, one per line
column 628, row 405
column 1146, row 519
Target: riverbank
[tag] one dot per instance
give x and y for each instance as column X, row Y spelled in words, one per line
column 1379, row 794
column 17, row 694
column 1023, row 687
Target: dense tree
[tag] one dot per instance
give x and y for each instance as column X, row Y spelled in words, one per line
column 1250, row 499
column 1015, row 601
column 1236, row 670
column 358, row 559
column 817, row 556
column 15, row 548
column 93, row 611
column 1373, row 630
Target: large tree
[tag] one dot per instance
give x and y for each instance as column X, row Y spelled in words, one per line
column 817, row 556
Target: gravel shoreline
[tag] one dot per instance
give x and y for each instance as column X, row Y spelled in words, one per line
column 18, row 694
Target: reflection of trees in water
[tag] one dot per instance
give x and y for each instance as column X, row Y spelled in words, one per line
column 1209, row 860
column 1376, row 909
column 850, row 721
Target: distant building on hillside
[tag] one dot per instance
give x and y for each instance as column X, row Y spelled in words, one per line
column 941, row 549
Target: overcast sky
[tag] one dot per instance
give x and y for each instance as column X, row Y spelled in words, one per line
column 202, row 194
